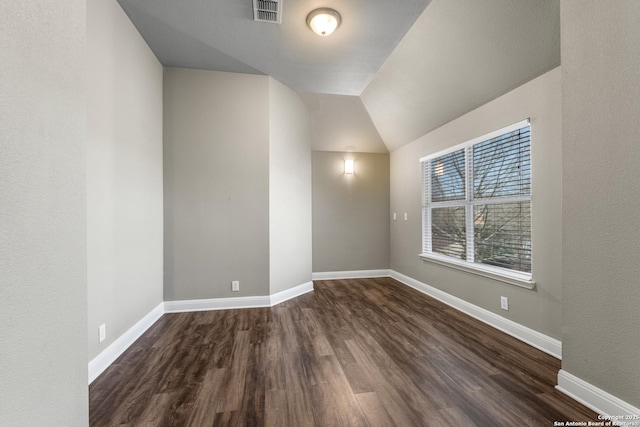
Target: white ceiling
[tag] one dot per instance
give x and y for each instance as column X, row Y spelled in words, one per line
column 221, row 35
column 410, row 66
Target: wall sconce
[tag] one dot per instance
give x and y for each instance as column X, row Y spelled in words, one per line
column 349, row 166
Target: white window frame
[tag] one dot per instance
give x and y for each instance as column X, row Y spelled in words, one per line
column 512, row 277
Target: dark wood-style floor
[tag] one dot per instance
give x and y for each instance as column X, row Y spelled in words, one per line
column 351, row 353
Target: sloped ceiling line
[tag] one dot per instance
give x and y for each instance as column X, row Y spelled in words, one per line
column 343, row 63
column 415, row 64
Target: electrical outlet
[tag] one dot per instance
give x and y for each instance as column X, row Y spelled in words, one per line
column 235, row 286
column 102, row 332
column 504, row 303
column 405, row 216
column 395, row 216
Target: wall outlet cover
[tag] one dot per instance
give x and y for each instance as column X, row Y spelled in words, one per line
column 102, row 332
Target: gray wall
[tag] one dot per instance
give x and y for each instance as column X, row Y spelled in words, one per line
column 289, row 189
column 216, row 176
column 341, row 123
column 43, row 285
column 124, row 174
column 456, row 57
column 350, row 212
column 601, row 172
column 539, row 309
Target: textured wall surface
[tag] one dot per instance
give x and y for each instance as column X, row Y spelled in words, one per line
column 601, row 196
column 289, row 189
column 350, row 212
column 539, row 309
column 458, row 56
column 216, row 176
column 341, row 123
column 124, row 174
column 43, row 284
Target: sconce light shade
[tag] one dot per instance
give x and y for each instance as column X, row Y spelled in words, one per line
column 323, row 21
column 349, row 166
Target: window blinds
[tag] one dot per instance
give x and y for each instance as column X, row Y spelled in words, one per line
column 502, row 165
column 477, row 200
column 448, row 174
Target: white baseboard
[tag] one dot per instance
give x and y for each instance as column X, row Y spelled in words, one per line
column 357, row 274
column 107, row 356
column 534, row 338
column 236, row 302
column 596, row 398
column 574, row 387
column 103, row 360
column 291, row 293
column 216, row 304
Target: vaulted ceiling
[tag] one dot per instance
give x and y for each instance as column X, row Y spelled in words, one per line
column 222, row 35
column 458, row 56
column 410, row 65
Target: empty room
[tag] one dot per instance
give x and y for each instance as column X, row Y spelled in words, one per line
column 319, row 213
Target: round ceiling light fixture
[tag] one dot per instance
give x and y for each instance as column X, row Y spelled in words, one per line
column 323, row 21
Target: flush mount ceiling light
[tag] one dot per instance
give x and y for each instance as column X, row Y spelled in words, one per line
column 323, row 21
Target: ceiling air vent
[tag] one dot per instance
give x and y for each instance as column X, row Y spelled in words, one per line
column 267, row 11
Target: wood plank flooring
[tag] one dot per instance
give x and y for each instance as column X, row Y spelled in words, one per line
column 365, row 352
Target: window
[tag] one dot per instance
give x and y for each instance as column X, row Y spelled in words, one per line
column 477, row 205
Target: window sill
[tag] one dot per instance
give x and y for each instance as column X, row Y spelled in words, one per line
column 522, row 280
